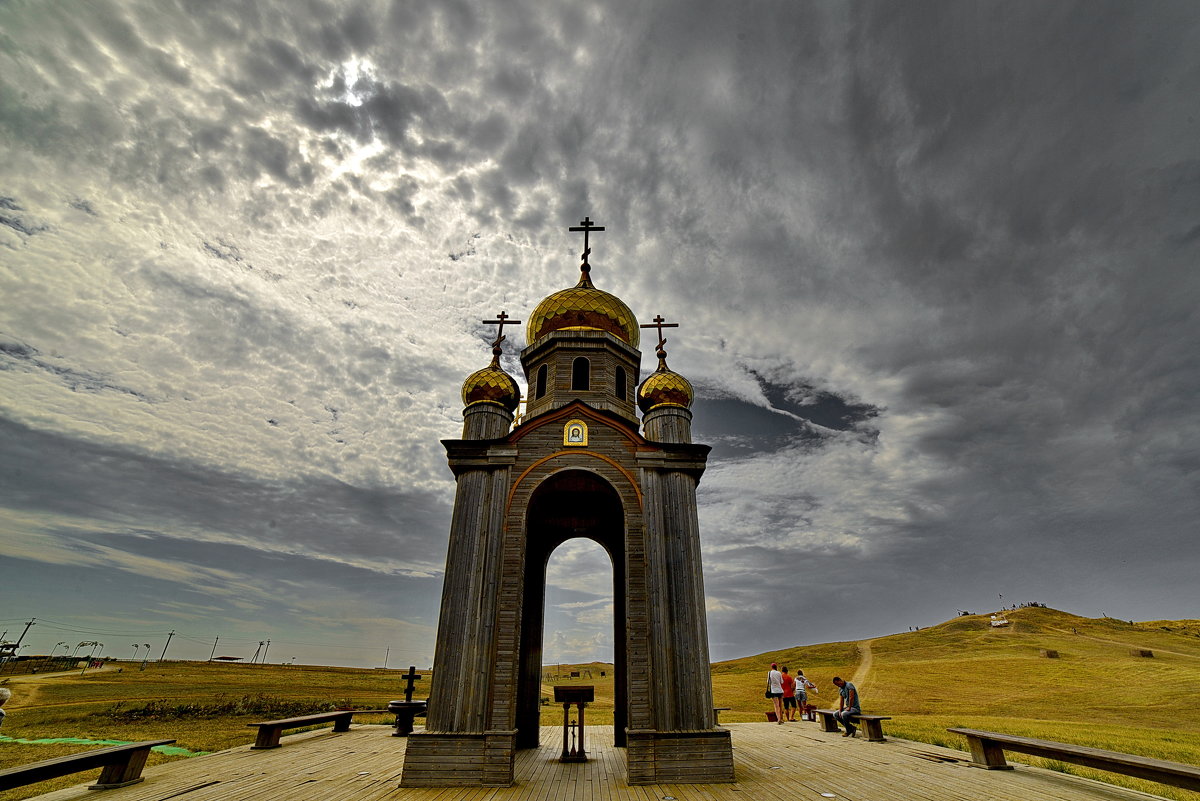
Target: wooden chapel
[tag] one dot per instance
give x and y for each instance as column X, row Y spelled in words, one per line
column 578, row 463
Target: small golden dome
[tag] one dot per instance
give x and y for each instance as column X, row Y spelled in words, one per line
column 491, row 385
column 583, row 308
column 665, row 387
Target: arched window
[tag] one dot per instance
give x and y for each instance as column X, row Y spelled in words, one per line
column 581, row 373
column 541, row 383
column 620, row 385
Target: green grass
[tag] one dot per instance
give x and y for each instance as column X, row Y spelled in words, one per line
column 177, row 700
column 960, row 673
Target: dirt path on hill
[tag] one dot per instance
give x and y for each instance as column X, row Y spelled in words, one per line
column 1138, row 646
column 31, row 686
column 865, row 662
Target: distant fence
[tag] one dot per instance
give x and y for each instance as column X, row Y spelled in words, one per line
column 39, row 664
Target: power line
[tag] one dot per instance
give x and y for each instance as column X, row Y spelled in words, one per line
column 23, row 633
column 199, row 639
column 164, row 653
column 56, row 625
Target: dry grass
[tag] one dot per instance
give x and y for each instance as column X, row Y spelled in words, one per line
column 966, row 673
column 960, row 673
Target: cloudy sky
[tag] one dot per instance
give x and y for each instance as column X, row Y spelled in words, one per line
column 935, row 265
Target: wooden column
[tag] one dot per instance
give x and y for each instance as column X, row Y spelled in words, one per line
column 459, row 745
column 682, row 742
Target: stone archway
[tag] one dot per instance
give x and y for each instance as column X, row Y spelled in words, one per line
column 569, row 504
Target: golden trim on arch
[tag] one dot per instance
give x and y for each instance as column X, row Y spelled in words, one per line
column 574, row 408
column 637, row 491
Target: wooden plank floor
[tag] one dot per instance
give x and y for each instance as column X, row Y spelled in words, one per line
column 773, row 763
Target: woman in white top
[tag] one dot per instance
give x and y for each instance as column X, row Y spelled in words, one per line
column 803, row 685
column 775, row 691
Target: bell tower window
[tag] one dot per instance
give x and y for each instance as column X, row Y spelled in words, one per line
column 581, row 374
column 540, row 389
column 620, row 384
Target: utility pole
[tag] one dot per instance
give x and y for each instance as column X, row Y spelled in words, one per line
column 214, row 650
column 268, row 648
column 27, row 625
column 169, row 636
column 386, row 654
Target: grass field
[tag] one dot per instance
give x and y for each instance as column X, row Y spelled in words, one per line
column 966, row 673
column 961, row 673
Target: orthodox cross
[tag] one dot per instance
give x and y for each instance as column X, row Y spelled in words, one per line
column 587, row 226
column 660, row 323
column 502, row 319
column 410, row 677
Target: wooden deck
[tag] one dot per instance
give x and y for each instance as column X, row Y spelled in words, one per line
column 773, row 763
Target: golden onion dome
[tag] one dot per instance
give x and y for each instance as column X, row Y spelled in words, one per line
column 583, row 308
column 491, row 385
column 665, row 387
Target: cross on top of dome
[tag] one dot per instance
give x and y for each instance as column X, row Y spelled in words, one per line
column 660, row 323
column 501, row 321
column 587, row 226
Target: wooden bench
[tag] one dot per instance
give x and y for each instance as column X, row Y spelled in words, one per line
column 988, row 747
column 269, row 730
column 121, row 765
column 872, row 724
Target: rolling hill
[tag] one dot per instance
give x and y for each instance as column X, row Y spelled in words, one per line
column 1115, row 684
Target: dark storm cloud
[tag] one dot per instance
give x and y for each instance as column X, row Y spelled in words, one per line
column 934, row 265
column 379, row 109
column 319, row 520
column 271, row 65
column 1097, row 106
column 83, row 205
column 796, row 413
column 20, row 356
column 14, row 216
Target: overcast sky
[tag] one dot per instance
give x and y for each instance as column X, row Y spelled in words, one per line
column 935, row 265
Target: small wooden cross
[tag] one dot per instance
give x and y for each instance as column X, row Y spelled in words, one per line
column 501, row 321
column 410, row 677
column 587, row 227
column 660, row 323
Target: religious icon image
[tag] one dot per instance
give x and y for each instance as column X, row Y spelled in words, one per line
column 575, row 433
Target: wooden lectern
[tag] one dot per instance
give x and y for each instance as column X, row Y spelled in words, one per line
column 580, row 696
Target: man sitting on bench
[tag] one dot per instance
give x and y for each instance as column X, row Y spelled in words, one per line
column 848, row 705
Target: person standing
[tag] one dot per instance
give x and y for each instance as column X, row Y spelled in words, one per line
column 803, row 685
column 775, row 691
column 848, row 705
column 789, row 695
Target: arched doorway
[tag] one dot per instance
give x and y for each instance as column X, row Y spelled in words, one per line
column 569, row 504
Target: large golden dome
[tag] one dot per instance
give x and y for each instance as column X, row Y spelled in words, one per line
column 491, row 385
column 583, row 308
